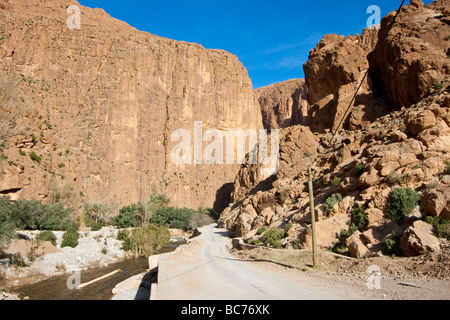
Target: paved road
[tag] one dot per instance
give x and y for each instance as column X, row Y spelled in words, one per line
column 204, row 270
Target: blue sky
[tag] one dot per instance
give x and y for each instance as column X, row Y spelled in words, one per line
column 272, row 38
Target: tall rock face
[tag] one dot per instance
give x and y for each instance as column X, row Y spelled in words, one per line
column 413, row 61
column 333, row 72
column 283, row 104
column 107, row 99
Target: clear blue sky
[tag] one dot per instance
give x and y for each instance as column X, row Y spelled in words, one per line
column 272, row 38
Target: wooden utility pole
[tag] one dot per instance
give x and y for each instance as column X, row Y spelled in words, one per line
column 313, row 218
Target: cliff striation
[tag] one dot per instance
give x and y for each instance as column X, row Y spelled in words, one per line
column 103, row 102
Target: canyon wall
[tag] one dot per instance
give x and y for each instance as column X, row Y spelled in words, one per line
column 104, row 101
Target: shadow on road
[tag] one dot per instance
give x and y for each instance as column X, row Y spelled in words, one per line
column 260, row 260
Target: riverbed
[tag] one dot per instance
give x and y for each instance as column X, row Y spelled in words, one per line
column 57, row 288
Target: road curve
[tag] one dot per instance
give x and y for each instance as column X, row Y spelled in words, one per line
column 204, row 270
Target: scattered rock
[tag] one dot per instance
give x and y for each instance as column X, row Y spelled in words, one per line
column 419, row 239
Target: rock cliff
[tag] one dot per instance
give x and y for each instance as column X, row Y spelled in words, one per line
column 104, row 101
column 283, row 104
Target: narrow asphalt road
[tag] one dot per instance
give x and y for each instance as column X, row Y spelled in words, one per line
column 204, row 270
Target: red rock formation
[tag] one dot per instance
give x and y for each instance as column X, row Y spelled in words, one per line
column 108, row 98
column 413, row 61
column 335, row 69
column 283, row 104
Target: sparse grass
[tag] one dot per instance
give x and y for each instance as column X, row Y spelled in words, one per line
column 394, row 178
column 331, row 202
column 359, row 169
column 336, row 181
column 437, row 85
column 441, row 227
column 35, row 157
column 392, row 246
column 274, row 237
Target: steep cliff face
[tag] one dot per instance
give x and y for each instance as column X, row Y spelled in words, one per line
column 413, row 61
column 284, row 104
column 107, row 99
column 334, row 70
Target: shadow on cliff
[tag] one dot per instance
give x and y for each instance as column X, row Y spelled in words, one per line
column 223, row 197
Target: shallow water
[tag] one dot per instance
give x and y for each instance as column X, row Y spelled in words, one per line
column 55, row 288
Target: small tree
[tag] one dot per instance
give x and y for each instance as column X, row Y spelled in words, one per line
column 331, row 202
column 7, row 225
column 402, row 201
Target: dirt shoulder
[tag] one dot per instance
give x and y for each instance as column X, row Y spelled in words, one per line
column 421, row 278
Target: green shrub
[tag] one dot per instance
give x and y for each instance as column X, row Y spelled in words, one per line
column 54, row 217
column 32, row 215
column 392, row 246
column 402, row 201
column 359, row 169
column 447, row 168
column 261, row 230
column 148, row 240
column 35, row 157
column 359, row 218
column 7, row 225
column 274, row 237
column 340, row 246
column 124, row 236
column 70, row 238
column 331, row 202
column 47, row 236
column 441, row 227
column 18, row 261
column 336, row 181
column 173, row 218
column 288, row 227
column 126, row 217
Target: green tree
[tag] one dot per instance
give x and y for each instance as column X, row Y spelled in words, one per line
column 7, row 225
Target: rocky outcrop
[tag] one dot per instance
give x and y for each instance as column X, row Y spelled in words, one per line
column 356, row 173
column 336, row 67
column 283, row 104
column 413, row 61
column 107, row 99
column 298, row 145
column 419, row 239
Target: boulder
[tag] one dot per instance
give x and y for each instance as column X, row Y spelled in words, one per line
column 283, row 104
column 328, row 232
column 398, row 136
column 419, row 239
column 417, row 122
column 436, row 202
column 267, row 214
column 375, row 217
column 357, row 249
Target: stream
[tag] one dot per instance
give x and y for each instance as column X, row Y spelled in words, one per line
column 55, row 288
